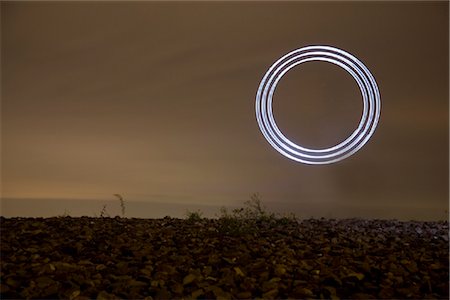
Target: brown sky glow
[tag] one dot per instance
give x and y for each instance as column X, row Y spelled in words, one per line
column 155, row 101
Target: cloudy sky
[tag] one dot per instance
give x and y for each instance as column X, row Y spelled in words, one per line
column 155, row 101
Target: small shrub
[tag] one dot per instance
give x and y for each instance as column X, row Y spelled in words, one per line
column 194, row 216
column 287, row 219
column 248, row 219
column 233, row 223
column 254, row 209
column 244, row 220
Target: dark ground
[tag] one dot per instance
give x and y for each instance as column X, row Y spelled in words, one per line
column 106, row 258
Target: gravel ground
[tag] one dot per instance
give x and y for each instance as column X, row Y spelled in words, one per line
column 110, row 258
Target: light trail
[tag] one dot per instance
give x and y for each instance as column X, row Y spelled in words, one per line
column 366, row 127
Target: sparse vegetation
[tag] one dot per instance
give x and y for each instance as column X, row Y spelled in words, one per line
column 232, row 223
column 287, row 219
column 103, row 212
column 245, row 220
column 122, row 203
column 194, row 216
column 65, row 214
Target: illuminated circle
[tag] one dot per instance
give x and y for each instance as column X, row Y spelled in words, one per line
column 341, row 58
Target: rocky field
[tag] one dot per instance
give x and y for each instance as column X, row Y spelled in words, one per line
column 110, row 258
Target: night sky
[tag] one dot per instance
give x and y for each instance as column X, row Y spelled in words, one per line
column 155, row 101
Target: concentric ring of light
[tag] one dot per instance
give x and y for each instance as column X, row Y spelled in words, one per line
column 341, row 58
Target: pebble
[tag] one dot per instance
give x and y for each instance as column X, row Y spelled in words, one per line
column 112, row 258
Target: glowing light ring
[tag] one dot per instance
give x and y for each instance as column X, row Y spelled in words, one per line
column 359, row 137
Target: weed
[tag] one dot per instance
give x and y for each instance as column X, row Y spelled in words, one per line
column 194, row 216
column 286, row 219
column 122, row 203
column 65, row 214
column 103, row 212
column 244, row 220
column 233, row 224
